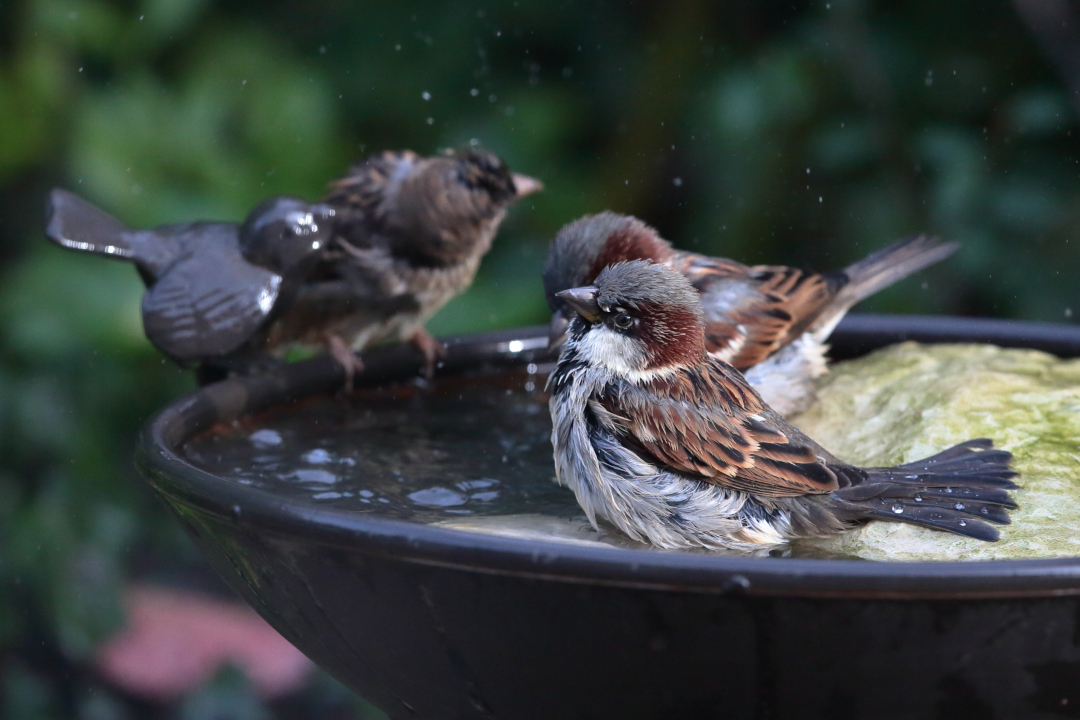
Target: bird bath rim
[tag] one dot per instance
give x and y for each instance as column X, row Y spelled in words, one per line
column 256, row 509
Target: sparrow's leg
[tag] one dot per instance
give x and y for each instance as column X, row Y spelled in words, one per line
column 346, row 358
column 433, row 350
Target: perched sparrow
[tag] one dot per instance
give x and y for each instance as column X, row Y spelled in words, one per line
column 676, row 449
column 211, row 287
column 409, row 236
column 769, row 321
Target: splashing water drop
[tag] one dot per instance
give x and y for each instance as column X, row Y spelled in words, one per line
column 959, row 506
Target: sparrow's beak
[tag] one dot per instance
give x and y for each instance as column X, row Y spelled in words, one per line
column 525, row 185
column 559, row 325
column 583, row 300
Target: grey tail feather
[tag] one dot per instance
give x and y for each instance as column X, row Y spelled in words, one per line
column 73, row 223
column 879, row 270
column 962, row 490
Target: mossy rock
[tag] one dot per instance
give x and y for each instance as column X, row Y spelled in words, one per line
column 908, row 401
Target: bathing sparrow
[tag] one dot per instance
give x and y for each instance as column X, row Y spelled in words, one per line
column 675, row 448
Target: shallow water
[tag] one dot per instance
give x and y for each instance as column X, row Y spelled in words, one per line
column 466, row 447
column 474, row 453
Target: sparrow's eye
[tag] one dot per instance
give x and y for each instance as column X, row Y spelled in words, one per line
column 622, row 321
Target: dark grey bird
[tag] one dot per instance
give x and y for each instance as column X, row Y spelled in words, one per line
column 210, row 287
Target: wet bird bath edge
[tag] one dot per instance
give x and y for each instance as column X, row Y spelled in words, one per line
column 431, row 622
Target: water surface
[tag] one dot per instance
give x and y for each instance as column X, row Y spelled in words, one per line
column 462, row 448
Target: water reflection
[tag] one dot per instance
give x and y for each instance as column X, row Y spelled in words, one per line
column 467, row 447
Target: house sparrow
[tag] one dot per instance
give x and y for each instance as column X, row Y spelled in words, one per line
column 409, row 236
column 210, row 287
column 770, row 322
column 675, row 448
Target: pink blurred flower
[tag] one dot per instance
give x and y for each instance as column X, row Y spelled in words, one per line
column 175, row 640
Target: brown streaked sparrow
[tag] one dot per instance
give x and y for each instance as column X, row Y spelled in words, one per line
column 770, row 322
column 675, row 448
column 409, row 235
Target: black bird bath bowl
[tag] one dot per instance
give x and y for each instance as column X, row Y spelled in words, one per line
column 430, row 622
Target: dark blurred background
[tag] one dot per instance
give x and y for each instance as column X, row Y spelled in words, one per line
column 805, row 133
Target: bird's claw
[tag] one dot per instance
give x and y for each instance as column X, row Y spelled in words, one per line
column 433, row 351
column 345, row 357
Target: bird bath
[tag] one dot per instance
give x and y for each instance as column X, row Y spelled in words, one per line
column 342, row 522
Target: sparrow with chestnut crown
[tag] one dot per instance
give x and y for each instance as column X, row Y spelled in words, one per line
column 676, row 449
column 770, row 322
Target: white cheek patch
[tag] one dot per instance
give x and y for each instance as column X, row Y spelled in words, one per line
column 603, row 347
column 621, row 354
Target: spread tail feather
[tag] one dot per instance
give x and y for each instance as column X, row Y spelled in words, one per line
column 879, row 270
column 963, row 490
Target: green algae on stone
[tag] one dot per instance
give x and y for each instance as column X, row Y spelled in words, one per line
column 909, row 401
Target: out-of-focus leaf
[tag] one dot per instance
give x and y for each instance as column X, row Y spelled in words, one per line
column 953, row 158
column 227, row 697
column 26, row 695
column 1040, row 111
column 843, row 146
column 57, row 303
column 161, row 20
column 1026, row 203
column 246, row 123
column 99, row 705
column 86, row 24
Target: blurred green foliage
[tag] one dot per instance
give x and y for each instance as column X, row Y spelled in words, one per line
column 805, row 133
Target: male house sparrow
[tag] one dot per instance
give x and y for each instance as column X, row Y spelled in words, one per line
column 409, row 235
column 770, row 322
column 390, row 244
column 211, row 286
column 676, row 449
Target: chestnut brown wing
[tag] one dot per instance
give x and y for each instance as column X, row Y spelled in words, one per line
column 751, row 312
column 707, row 422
